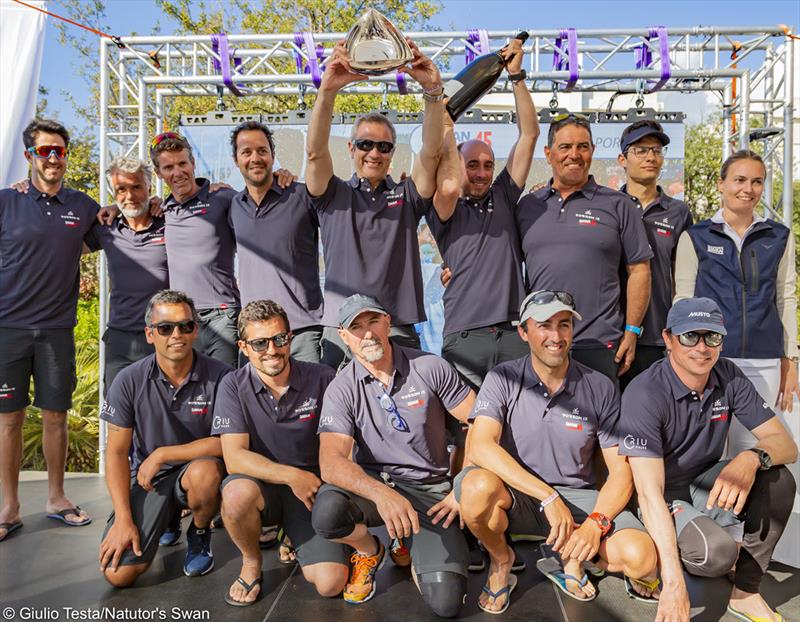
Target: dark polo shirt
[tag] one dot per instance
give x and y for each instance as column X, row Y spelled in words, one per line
column 424, row 388
column 161, row 415
column 201, row 247
column 664, row 221
column 662, row 418
column 480, row 245
column 370, row 243
column 278, row 247
column 577, row 244
column 554, row 436
column 41, row 240
column 137, row 265
column 284, row 430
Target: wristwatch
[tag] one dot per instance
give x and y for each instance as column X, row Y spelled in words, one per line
column 764, row 459
column 432, row 96
column 603, row 521
column 517, row 77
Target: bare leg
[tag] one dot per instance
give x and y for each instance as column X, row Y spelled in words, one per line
column 242, row 504
column 10, row 459
column 54, row 443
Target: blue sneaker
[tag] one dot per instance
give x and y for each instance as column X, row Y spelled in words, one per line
column 199, row 558
column 172, row 534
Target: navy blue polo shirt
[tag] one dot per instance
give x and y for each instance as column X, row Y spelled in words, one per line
column 283, row 430
column 577, row 244
column 664, row 221
column 41, row 241
column 370, row 243
column 278, row 247
column 480, row 245
column 424, row 388
column 137, row 265
column 161, row 415
column 662, row 418
column 554, row 436
column 201, row 247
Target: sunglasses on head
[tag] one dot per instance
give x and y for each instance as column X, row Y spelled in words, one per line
column 165, row 329
column 261, row 344
column 546, row 296
column 395, row 419
column 160, row 138
column 365, row 144
column 712, row 340
column 579, row 118
column 45, row 151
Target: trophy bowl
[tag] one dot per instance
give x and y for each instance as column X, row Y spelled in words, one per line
column 375, row 46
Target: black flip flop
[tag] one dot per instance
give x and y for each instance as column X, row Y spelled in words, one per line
column 62, row 516
column 268, row 544
column 10, row 528
column 248, row 587
column 282, row 537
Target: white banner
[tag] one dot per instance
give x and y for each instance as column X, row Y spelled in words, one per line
column 21, row 48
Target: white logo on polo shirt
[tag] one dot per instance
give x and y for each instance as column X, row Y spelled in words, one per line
column 716, row 250
column 587, row 218
column 634, row 442
column 719, row 411
column 221, row 422
column 71, row 220
column 481, row 405
column 306, row 409
column 199, row 405
column 108, row 410
column 412, row 393
column 6, row 391
column 663, row 228
column 326, row 420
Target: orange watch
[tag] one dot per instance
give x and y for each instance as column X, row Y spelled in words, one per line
column 603, row 521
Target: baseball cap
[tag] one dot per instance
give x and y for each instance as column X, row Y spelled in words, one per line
column 355, row 305
column 642, row 132
column 544, row 304
column 692, row 314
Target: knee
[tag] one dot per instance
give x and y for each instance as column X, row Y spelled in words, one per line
column 331, row 517
column 240, row 497
column 203, row 478
column 54, row 419
column 479, row 491
column 706, row 549
column 124, row 576
column 443, row 592
column 638, row 554
column 331, row 584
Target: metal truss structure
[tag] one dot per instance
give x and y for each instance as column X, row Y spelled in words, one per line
column 751, row 68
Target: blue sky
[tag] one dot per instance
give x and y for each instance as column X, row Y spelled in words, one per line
column 142, row 16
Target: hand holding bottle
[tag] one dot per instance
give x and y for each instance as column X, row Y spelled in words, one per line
column 513, row 55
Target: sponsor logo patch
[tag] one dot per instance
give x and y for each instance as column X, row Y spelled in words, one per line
column 199, row 405
column 416, row 404
column 634, row 442
column 715, row 250
column 71, row 220
column 573, row 425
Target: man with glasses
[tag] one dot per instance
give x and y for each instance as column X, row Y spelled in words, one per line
column 576, row 234
column 384, row 459
column 643, row 146
column 200, row 245
column 41, row 238
column 266, row 415
column 369, row 223
column 159, row 413
column 536, row 425
column 673, row 427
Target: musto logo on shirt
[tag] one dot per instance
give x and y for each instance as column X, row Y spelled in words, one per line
column 587, row 218
column 634, row 442
column 573, row 420
column 415, row 398
column 719, row 411
column 307, row 410
column 199, row 405
column 71, row 220
column 663, row 228
column 6, row 392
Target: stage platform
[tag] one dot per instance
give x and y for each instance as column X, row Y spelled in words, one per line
column 50, row 572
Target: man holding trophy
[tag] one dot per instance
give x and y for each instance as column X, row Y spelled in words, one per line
column 369, row 222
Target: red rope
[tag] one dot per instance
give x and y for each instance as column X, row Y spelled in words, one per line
column 115, row 39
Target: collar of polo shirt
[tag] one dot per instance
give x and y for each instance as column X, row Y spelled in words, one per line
column 530, row 378
column 399, row 362
column 295, row 377
column 588, row 189
column 680, row 390
column 155, row 372
column 387, row 183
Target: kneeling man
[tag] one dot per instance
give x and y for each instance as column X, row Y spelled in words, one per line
column 536, row 426
column 387, row 409
column 674, row 422
column 266, row 415
column 161, row 407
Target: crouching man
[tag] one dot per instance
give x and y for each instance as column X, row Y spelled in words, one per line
column 161, row 407
column 674, row 423
column 537, row 424
column 266, row 415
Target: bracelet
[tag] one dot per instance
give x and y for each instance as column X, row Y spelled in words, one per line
column 548, row 500
column 636, row 330
column 517, row 77
column 435, row 90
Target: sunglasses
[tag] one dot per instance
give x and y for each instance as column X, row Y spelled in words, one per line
column 579, row 118
column 365, row 144
column 395, row 419
column 546, row 296
column 641, row 152
column 45, row 151
column 261, row 344
column 712, row 340
column 160, row 138
column 165, row 329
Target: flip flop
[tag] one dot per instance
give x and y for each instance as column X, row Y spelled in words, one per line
column 248, row 587
column 287, row 547
column 268, row 544
column 746, row 617
column 62, row 516
column 650, row 585
column 10, row 528
column 556, row 574
column 512, row 583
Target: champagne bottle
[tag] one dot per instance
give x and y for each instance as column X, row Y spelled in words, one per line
column 474, row 81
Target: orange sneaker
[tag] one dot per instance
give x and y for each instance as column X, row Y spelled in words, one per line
column 361, row 586
column 399, row 553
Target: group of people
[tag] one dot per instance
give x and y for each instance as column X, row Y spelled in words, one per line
column 573, row 400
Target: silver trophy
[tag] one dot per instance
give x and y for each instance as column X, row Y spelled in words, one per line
column 375, row 46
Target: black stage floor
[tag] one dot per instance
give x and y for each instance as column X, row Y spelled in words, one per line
column 50, row 572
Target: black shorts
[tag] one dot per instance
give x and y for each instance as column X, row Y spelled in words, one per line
column 281, row 507
column 49, row 355
column 123, row 347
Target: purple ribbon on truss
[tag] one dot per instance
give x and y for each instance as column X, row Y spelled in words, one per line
column 570, row 36
column 219, row 44
column 314, row 53
column 478, row 38
column 644, row 56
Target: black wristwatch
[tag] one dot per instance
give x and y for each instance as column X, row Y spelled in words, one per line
column 765, row 462
column 517, row 77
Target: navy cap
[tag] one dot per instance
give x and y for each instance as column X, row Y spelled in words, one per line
column 636, row 135
column 692, row 314
column 355, row 305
